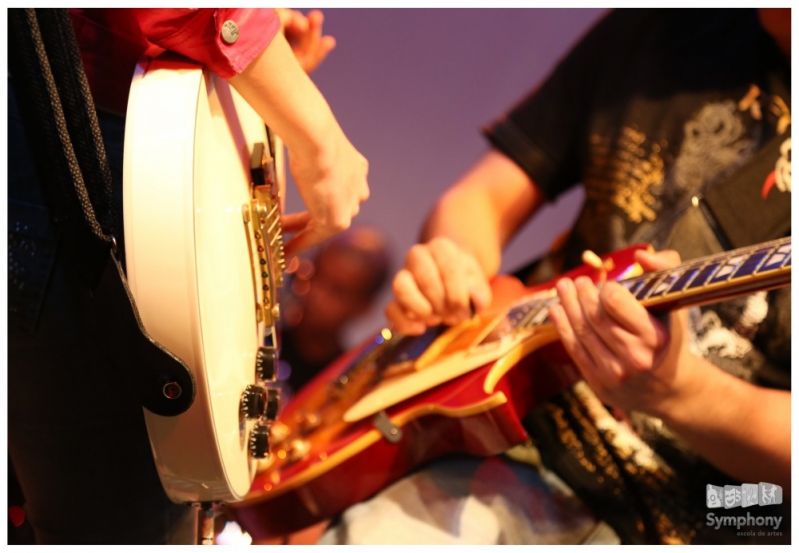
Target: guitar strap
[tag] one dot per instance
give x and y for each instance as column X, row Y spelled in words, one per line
column 738, row 210
column 64, row 133
column 745, row 209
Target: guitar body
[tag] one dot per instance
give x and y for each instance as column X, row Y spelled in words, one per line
column 339, row 462
column 397, row 402
column 188, row 144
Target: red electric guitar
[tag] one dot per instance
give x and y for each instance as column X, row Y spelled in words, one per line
column 398, row 401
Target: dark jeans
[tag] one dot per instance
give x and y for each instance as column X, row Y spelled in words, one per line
column 76, row 431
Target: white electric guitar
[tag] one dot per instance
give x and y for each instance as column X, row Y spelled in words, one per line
column 204, row 260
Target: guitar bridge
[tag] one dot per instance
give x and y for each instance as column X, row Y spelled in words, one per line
column 264, row 236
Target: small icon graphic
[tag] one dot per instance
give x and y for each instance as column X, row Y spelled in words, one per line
column 770, row 494
column 749, row 495
column 732, row 496
column 714, row 496
column 745, row 495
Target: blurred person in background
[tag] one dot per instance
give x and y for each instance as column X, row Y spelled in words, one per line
column 325, row 295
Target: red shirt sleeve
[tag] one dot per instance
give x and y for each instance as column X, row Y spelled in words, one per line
column 197, row 33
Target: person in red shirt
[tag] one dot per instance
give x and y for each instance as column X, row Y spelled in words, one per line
column 244, row 46
column 77, row 440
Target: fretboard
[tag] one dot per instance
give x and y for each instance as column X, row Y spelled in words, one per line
column 704, row 280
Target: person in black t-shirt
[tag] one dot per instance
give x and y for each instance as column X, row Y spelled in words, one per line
column 651, row 112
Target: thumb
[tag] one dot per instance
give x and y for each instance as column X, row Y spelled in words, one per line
column 295, row 222
column 656, row 261
column 303, row 240
column 481, row 293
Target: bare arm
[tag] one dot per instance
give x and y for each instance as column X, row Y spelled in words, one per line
column 740, row 428
column 330, row 173
column 634, row 362
column 483, row 210
column 461, row 245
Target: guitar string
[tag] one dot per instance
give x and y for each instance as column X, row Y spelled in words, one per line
column 535, row 306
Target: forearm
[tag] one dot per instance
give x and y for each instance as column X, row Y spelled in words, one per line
column 277, row 87
column 742, row 429
column 484, row 208
column 461, row 216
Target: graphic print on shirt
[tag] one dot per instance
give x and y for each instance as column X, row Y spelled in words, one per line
column 629, row 173
column 710, row 337
column 781, row 175
column 632, row 171
column 715, row 143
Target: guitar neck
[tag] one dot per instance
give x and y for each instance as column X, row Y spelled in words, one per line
column 704, row 280
column 716, row 277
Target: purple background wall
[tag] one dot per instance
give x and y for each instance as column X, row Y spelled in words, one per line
column 412, row 87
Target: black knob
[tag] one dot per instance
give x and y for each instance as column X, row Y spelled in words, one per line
column 266, row 364
column 259, row 441
column 253, row 401
column 272, row 403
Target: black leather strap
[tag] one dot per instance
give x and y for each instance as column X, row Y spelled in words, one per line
column 63, row 129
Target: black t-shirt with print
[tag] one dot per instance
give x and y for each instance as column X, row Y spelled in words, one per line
column 650, row 109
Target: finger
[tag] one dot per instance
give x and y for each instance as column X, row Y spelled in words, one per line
column 363, row 193
column 401, row 322
column 295, row 25
column 312, row 37
column 315, row 21
column 295, row 222
column 450, row 265
column 303, row 240
column 298, row 23
column 573, row 347
column 283, row 15
column 622, row 307
column 604, row 363
column 656, row 261
column 327, row 44
column 408, row 296
column 479, row 290
column 630, row 350
column 421, row 264
column 355, row 209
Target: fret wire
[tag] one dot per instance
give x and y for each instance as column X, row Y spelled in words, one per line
column 765, row 258
column 696, row 268
column 649, row 283
column 665, row 281
column 713, row 274
column 637, row 280
column 530, row 314
column 733, row 268
column 656, row 282
column 778, row 251
column 753, row 262
column 701, row 268
column 545, row 310
column 529, row 320
column 526, row 308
